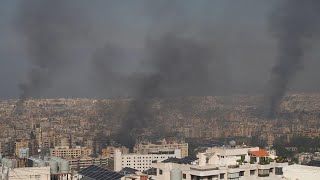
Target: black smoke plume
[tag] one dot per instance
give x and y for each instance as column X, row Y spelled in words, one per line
column 182, row 67
column 183, row 63
column 107, row 76
column 48, row 28
column 294, row 24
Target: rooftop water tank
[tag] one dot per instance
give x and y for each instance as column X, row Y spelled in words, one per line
column 7, row 162
column 175, row 174
column 64, row 166
column 232, row 143
column 41, row 164
column 53, row 167
column 24, row 153
column 46, row 158
column 56, row 159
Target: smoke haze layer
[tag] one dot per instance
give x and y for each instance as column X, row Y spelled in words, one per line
column 50, row 29
column 182, row 63
column 294, row 24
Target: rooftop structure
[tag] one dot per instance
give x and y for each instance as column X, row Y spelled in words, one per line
column 301, row 172
column 223, row 163
column 98, row 173
column 29, row 173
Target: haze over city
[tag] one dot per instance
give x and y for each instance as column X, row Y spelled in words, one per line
column 90, row 88
column 239, row 33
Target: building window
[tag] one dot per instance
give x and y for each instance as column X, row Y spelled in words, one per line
column 271, row 170
column 221, row 176
column 278, row 171
column 184, row 176
column 263, row 172
column 241, row 173
column 160, row 171
column 252, row 172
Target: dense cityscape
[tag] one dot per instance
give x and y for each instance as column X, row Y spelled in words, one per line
column 159, row 90
column 83, row 131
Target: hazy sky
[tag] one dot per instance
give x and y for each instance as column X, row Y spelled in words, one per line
column 239, row 30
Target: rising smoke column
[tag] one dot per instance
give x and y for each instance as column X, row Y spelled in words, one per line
column 294, row 24
column 183, row 63
column 105, row 61
column 182, row 68
column 49, row 28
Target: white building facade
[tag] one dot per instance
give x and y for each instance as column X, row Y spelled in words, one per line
column 141, row 162
column 241, row 163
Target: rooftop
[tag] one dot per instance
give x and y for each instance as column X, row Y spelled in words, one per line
column 259, row 153
column 185, row 160
column 98, row 173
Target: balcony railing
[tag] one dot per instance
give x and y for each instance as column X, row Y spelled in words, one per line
column 233, row 166
column 263, row 175
column 264, row 162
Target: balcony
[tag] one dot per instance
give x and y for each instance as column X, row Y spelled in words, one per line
column 281, row 160
column 233, row 166
column 264, row 162
column 263, row 175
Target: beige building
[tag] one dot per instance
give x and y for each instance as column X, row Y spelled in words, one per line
column 109, row 151
column 149, row 148
column 61, row 140
column 66, row 152
column 21, row 143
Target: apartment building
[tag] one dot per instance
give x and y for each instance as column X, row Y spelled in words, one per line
column 237, row 163
column 109, row 151
column 84, row 162
column 66, row 152
column 149, row 148
column 21, row 144
column 141, row 162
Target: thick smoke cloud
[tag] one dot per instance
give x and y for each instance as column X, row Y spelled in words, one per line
column 183, row 67
column 50, row 29
column 294, row 24
column 182, row 63
column 108, row 79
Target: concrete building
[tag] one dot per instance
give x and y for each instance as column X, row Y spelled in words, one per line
column 141, row 162
column 84, row 162
column 237, row 163
column 21, row 144
column 301, row 172
column 149, row 148
column 29, row 173
column 109, row 151
column 2, row 146
column 66, row 152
